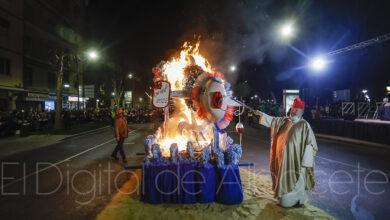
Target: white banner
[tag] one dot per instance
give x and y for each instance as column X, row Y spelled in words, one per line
column 161, row 94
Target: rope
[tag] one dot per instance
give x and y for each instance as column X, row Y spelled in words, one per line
column 239, row 120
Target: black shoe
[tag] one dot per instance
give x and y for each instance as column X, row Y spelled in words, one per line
column 298, row 205
column 115, row 157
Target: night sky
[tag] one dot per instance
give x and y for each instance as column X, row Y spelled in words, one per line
column 137, row 35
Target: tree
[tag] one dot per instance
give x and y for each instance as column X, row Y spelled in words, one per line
column 118, row 87
column 59, row 73
column 58, row 57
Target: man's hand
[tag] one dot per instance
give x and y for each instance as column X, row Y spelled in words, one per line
column 117, row 138
column 258, row 113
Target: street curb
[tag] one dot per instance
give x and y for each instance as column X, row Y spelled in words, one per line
column 353, row 141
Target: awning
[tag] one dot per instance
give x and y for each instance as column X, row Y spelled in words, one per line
column 12, row 88
column 35, row 99
column 37, row 95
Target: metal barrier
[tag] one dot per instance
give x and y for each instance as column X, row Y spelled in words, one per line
column 348, row 108
column 364, row 109
column 377, row 104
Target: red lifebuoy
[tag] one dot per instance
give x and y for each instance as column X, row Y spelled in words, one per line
column 239, row 128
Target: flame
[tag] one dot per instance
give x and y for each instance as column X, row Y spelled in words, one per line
column 184, row 124
column 174, row 69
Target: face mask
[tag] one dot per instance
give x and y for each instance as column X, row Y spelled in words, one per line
column 295, row 118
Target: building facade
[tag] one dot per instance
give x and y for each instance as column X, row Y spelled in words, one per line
column 31, row 34
column 50, row 26
column 11, row 53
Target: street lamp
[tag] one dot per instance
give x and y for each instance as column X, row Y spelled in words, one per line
column 66, row 85
column 287, row 31
column 318, row 63
column 232, row 68
column 388, row 88
column 92, row 54
column 132, row 78
column 256, row 96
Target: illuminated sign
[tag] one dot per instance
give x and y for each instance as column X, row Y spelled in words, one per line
column 288, row 98
column 49, row 105
column 75, row 99
column 128, row 97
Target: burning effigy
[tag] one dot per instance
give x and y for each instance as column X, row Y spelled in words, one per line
column 191, row 158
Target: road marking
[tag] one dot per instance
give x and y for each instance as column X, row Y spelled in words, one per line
column 347, row 164
column 91, row 131
column 84, row 133
column 59, row 162
column 352, row 141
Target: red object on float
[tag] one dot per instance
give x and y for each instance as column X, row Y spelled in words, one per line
column 157, row 73
column 240, row 128
column 217, row 100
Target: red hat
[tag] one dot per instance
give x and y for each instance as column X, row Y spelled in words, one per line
column 120, row 111
column 298, row 103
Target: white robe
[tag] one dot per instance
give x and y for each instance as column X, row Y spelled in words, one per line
column 289, row 141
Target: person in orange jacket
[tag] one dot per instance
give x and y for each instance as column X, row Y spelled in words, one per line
column 121, row 132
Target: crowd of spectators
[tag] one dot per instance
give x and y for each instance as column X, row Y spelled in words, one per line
column 44, row 120
column 37, row 121
column 311, row 114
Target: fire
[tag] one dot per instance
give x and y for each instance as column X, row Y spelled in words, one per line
column 184, row 125
column 174, row 69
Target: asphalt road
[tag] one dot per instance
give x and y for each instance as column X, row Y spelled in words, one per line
column 342, row 172
column 76, row 178
column 73, row 179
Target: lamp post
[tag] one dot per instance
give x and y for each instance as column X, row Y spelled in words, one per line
column 131, row 77
column 90, row 55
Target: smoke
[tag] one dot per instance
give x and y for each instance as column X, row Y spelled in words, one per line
column 236, row 31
